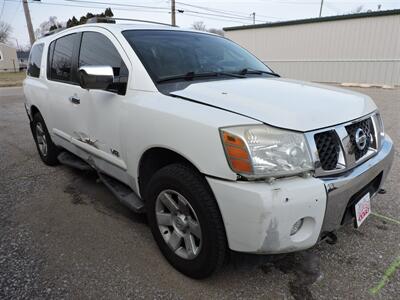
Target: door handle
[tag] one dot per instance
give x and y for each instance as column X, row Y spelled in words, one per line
column 74, row 100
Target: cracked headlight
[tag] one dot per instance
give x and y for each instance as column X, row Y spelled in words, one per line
column 265, row 151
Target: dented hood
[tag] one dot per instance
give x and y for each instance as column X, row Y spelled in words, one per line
column 282, row 102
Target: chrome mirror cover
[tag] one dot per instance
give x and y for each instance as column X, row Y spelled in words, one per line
column 95, row 77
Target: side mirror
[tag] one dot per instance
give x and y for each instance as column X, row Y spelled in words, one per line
column 95, row 77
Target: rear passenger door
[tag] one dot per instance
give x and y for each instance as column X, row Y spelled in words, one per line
column 99, row 48
column 68, row 113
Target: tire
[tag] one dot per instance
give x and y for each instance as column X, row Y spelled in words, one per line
column 183, row 182
column 47, row 150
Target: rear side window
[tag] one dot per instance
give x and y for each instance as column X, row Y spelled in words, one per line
column 98, row 50
column 35, row 60
column 61, row 58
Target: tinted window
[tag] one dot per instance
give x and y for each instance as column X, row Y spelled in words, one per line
column 49, row 58
column 172, row 53
column 98, row 50
column 61, row 65
column 35, row 60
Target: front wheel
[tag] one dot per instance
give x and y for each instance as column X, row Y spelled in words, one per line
column 185, row 221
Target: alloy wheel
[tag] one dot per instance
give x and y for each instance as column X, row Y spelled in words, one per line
column 178, row 224
column 41, row 139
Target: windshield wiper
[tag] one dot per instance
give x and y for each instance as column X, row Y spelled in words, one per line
column 192, row 75
column 252, row 71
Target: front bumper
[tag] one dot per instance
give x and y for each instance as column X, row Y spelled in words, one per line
column 259, row 216
column 367, row 177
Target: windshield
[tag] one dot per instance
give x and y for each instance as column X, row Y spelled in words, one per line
column 171, row 54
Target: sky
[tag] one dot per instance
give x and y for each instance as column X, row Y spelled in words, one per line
column 215, row 13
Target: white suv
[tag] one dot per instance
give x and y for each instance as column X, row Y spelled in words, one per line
column 210, row 143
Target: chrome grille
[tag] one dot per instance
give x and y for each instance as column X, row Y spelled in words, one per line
column 367, row 127
column 335, row 150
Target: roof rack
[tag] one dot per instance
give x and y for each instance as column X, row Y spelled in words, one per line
column 112, row 20
column 53, row 31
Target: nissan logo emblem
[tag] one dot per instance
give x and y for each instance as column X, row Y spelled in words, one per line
column 361, row 139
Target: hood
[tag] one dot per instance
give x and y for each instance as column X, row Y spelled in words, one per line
column 281, row 102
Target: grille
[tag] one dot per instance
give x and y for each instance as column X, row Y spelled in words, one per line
column 367, row 127
column 328, row 149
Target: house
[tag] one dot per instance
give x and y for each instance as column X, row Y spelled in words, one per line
column 8, row 59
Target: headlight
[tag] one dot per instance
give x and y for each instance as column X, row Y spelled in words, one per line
column 264, row 151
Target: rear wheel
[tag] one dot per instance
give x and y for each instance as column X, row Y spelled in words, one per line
column 47, row 150
column 185, row 220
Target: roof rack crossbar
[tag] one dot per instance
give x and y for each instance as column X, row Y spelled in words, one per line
column 112, row 20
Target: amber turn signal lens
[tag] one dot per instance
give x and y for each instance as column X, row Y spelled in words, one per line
column 236, row 153
column 241, row 166
column 232, row 140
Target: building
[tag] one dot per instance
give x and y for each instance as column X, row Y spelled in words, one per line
column 355, row 48
column 8, row 59
column 23, row 57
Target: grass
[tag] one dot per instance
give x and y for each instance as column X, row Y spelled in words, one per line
column 11, row 78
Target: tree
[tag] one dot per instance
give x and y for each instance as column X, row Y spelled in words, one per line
column 46, row 26
column 72, row 22
column 5, row 31
column 82, row 20
column 216, row 31
column 199, row 25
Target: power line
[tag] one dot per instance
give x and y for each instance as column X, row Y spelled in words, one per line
column 247, row 18
column 212, row 14
column 227, row 12
column 118, row 4
column 91, row 6
column 163, row 8
column 218, row 19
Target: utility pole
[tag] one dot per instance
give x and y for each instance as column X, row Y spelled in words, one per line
column 320, row 9
column 254, row 17
column 173, row 21
column 28, row 21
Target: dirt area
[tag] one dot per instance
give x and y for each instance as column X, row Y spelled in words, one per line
column 11, row 78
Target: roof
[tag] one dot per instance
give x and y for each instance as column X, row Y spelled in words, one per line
column 115, row 27
column 318, row 20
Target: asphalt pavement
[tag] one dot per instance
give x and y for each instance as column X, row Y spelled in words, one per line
column 64, row 235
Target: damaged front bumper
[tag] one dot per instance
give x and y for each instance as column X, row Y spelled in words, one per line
column 259, row 217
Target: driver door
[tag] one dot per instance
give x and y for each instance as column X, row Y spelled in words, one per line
column 103, row 136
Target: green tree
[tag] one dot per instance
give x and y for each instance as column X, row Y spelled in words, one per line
column 83, row 19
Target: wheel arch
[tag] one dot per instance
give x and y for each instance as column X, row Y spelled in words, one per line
column 155, row 158
column 34, row 110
